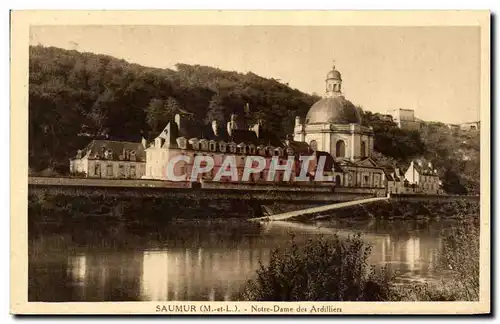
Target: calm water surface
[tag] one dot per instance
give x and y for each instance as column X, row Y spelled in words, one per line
column 202, row 260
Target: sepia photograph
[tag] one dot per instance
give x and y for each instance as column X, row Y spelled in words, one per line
column 250, row 163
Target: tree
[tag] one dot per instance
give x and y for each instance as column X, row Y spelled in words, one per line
column 159, row 112
column 216, row 109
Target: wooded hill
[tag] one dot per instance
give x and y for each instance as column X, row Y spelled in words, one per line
column 75, row 96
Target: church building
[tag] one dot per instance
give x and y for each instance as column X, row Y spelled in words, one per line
column 334, row 125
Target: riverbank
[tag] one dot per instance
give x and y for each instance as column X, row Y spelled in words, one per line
column 143, row 211
column 395, row 209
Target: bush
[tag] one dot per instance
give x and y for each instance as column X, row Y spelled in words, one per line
column 460, row 257
column 323, row 270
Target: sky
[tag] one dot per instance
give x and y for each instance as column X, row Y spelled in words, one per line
column 433, row 70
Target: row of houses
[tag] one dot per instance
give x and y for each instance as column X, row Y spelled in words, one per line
column 103, row 158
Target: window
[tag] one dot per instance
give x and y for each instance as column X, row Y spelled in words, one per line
column 109, row 170
column 108, row 154
column 97, row 169
column 338, row 181
column 121, row 171
column 314, row 145
column 181, row 142
column 363, row 149
column 222, row 147
column 340, row 149
column 204, row 144
column 132, row 171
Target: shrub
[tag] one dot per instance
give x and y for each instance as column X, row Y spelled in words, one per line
column 460, row 257
column 322, row 270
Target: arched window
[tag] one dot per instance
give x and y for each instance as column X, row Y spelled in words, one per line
column 314, row 145
column 338, row 181
column 363, row 149
column 340, row 149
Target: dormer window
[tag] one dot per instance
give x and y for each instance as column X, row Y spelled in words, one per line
column 232, row 147
column 289, row 151
column 132, row 156
column 222, row 146
column 181, row 142
column 195, row 143
column 261, row 149
column 204, row 144
column 269, row 150
column 251, row 149
column 242, row 148
column 108, row 154
column 212, row 146
column 278, row 151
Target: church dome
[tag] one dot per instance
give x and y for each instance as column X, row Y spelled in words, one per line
column 334, row 74
column 333, row 110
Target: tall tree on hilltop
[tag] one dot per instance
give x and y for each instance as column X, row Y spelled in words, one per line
column 216, row 109
column 159, row 112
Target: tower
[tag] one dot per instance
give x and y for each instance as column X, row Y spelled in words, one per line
column 333, row 83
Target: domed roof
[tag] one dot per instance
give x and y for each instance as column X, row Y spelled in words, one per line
column 334, row 110
column 334, row 74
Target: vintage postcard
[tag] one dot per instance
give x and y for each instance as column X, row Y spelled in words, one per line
column 250, row 162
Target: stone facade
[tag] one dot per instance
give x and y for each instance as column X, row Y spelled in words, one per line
column 333, row 125
column 110, row 159
column 423, row 178
column 405, row 118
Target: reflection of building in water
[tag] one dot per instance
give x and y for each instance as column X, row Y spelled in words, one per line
column 77, row 268
column 105, row 277
column 197, row 274
column 412, row 253
column 415, row 255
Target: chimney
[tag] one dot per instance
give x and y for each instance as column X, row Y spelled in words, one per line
column 215, row 127
column 256, row 129
column 430, row 165
column 177, row 120
column 297, row 121
column 144, row 142
column 232, row 125
column 396, row 171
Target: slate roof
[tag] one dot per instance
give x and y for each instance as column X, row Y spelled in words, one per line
column 424, row 169
column 96, row 148
column 300, row 147
column 330, row 163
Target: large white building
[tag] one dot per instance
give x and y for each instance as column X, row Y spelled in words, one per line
column 334, row 125
column 405, row 118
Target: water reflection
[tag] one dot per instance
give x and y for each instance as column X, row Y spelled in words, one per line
column 180, row 271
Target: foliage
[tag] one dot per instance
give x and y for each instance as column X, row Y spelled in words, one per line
column 327, row 270
column 454, row 153
column 74, row 97
column 460, row 256
column 459, row 259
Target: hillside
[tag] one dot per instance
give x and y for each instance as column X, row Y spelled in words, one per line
column 75, row 96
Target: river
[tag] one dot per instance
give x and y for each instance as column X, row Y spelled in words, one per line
column 202, row 260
